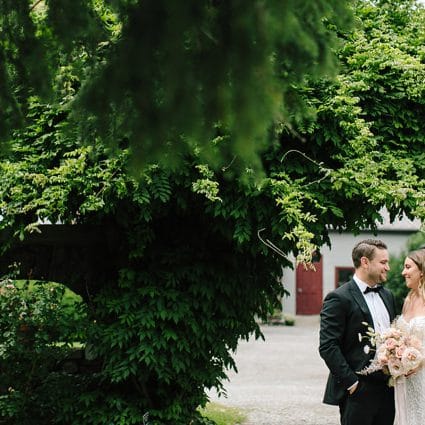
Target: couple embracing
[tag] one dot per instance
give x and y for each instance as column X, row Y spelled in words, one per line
column 368, row 399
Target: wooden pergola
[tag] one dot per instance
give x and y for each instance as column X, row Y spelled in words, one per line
column 82, row 257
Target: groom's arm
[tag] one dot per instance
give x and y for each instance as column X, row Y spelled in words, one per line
column 333, row 318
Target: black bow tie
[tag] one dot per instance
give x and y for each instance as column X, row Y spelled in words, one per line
column 374, row 289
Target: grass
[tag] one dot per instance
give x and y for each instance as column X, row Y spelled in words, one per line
column 223, row 415
column 69, row 297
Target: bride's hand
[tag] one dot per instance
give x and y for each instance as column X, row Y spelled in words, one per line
column 412, row 372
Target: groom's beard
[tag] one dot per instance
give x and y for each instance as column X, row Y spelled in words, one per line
column 378, row 276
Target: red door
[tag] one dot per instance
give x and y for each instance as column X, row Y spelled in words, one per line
column 309, row 284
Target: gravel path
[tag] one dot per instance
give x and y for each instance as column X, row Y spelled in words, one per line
column 281, row 380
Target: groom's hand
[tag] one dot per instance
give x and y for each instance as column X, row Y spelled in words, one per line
column 353, row 387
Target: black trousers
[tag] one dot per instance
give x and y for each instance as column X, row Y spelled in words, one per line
column 371, row 404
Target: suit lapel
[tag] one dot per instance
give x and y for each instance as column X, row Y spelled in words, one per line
column 359, row 299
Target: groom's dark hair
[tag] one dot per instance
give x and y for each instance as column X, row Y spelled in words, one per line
column 366, row 248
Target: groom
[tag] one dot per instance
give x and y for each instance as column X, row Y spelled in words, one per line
column 362, row 400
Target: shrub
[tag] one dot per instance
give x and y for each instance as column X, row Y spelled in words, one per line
column 37, row 333
column 395, row 280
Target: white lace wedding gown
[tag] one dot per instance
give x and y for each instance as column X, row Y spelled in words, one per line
column 410, row 392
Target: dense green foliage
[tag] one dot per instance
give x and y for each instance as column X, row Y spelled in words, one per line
column 149, row 71
column 160, row 331
column 195, row 273
column 368, row 136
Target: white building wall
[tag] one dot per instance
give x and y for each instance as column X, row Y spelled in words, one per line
column 339, row 255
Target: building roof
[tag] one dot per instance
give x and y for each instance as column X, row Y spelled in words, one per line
column 399, row 224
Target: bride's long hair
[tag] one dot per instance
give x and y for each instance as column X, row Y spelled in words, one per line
column 418, row 257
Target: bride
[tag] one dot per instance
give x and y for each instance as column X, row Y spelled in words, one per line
column 410, row 392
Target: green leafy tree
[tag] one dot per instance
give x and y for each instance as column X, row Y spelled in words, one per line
column 159, row 331
column 367, row 140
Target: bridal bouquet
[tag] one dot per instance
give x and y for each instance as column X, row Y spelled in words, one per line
column 398, row 351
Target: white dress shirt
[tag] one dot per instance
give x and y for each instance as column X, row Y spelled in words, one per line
column 380, row 315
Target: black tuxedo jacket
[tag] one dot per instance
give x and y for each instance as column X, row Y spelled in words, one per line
column 341, row 321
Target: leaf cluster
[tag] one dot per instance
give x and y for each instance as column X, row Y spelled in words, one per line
column 149, row 71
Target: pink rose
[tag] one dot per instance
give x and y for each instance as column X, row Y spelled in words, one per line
column 412, row 358
column 390, row 344
column 399, row 351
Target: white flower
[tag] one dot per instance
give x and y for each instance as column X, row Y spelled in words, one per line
column 396, row 368
column 366, row 349
column 360, row 337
